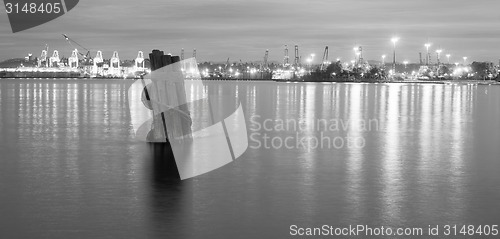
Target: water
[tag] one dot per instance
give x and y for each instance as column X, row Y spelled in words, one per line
column 70, row 167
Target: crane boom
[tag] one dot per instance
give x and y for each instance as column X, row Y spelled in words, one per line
column 325, row 59
column 71, row 42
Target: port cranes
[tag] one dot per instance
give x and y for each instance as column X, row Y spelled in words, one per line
column 139, row 62
column 73, row 60
column 325, row 59
column 266, row 57
column 286, row 60
column 72, row 42
column 297, row 57
column 54, row 60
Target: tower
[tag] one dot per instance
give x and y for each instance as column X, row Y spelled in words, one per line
column 360, row 59
column 297, row 59
column 286, row 60
column 266, row 56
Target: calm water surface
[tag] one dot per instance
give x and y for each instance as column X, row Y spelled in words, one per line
column 71, row 168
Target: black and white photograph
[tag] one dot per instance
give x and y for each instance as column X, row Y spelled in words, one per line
column 187, row 119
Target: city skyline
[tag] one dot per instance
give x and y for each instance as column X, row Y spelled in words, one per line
column 244, row 30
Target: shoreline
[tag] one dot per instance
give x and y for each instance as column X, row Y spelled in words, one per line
column 469, row 82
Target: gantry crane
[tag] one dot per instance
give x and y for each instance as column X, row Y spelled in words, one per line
column 86, row 56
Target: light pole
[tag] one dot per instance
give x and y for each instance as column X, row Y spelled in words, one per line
column 394, row 40
column 427, row 45
column 309, row 61
column 383, row 60
column 465, row 60
column 438, row 52
column 448, row 56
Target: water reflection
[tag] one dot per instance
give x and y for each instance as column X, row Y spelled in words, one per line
column 69, row 150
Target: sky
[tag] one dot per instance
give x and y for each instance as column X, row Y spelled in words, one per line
column 235, row 29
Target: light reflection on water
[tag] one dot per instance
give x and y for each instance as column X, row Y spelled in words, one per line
column 71, row 168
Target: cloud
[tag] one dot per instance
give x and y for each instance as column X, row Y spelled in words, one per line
column 245, row 29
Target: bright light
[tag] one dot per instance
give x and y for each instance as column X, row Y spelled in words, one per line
column 394, row 40
column 383, row 56
column 427, row 45
column 405, row 62
column 439, row 51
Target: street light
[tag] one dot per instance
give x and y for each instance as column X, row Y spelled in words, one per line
column 448, row 56
column 406, row 63
column 394, row 40
column 427, row 45
column 438, row 55
column 465, row 60
column 383, row 60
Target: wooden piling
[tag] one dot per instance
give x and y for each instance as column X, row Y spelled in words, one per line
column 174, row 123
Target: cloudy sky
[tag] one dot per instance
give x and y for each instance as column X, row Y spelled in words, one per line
column 237, row 29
